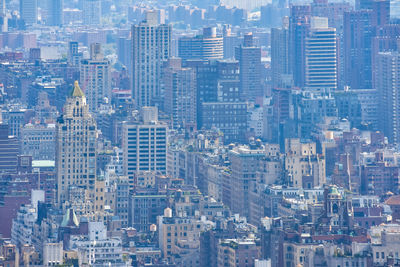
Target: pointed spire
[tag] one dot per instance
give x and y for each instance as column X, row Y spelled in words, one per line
column 77, row 91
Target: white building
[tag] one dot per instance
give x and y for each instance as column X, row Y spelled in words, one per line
column 38, row 141
column 321, row 55
column 95, row 77
column 97, row 249
column 75, row 146
column 144, row 144
column 147, row 59
column 22, row 225
column 52, row 254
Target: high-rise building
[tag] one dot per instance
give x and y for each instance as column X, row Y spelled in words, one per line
column 75, row 146
column 74, row 57
column 321, row 55
column 299, row 26
column 144, row 144
column 206, row 46
column 244, row 165
column 95, row 76
column 28, row 10
column 249, row 57
column 151, row 44
column 91, row 12
column 280, row 57
column 55, row 13
column 385, row 40
column 9, row 150
column 180, row 94
column 358, row 32
column 387, row 83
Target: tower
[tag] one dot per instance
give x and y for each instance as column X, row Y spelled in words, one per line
column 387, row 83
column 144, row 145
column 249, row 57
column 95, row 77
column 321, row 55
column 28, row 10
column 180, row 94
column 55, row 13
column 92, row 12
column 151, row 45
column 75, row 146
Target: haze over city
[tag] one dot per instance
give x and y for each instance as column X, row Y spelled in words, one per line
column 200, row 133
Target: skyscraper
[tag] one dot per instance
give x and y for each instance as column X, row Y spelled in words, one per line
column 321, row 55
column 55, row 13
column 75, row 146
column 280, row 56
column 387, row 84
column 8, row 150
column 249, row 57
column 151, row 44
column 95, row 77
column 358, row 32
column 206, row 46
column 180, row 94
column 299, row 26
column 144, row 144
column 74, row 57
column 91, row 12
column 28, row 10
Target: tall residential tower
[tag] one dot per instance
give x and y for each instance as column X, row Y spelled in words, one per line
column 151, row 45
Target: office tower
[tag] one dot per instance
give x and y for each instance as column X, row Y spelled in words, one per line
column 299, row 25
column 9, row 149
column 206, row 46
column 91, row 12
column 380, row 10
column 28, row 10
column 206, row 84
column 387, row 84
column 55, row 13
column 228, row 111
column 334, row 11
column 95, row 76
column 280, row 57
column 358, row 32
column 321, row 55
column 75, row 146
column 151, row 45
column 249, row 58
column 180, row 94
column 144, row 144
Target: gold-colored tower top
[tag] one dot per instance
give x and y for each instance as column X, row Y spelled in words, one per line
column 77, row 91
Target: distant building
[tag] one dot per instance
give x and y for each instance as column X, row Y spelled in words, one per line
column 147, row 59
column 8, row 150
column 28, row 10
column 55, row 13
column 95, row 77
column 206, row 46
column 91, row 10
column 38, row 141
column 75, row 146
column 180, row 95
column 144, row 144
column 387, row 71
column 321, row 56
